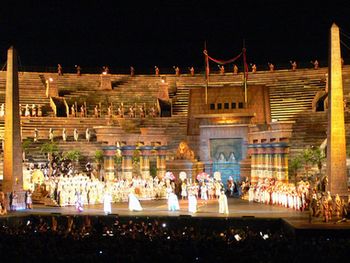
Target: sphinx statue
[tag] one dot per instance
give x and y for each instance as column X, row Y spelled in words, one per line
column 184, row 152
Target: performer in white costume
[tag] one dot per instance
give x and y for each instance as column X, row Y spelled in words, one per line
column 134, row 203
column 192, row 201
column 223, row 205
column 173, row 202
column 107, row 199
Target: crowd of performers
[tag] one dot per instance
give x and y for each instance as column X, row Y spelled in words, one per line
column 68, row 188
column 299, row 196
column 271, row 191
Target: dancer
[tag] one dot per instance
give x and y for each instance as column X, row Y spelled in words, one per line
column 192, row 201
column 223, row 205
column 107, row 199
column 79, row 203
column 134, row 203
column 173, row 202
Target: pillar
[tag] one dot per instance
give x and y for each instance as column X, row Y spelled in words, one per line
column 108, row 161
column 144, row 161
column 13, row 171
column 253, row 153
column 161, row 160
column 336, row 145
column 127, row 154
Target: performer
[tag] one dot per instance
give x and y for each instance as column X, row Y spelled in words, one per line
column 107, row 199
column 134, row 203
column 192, row 201
column 79, row 203
column 223, row 205
column 173, row 202
column 183, row 190
column 28, row 199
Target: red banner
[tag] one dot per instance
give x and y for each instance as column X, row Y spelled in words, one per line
column 222, row 62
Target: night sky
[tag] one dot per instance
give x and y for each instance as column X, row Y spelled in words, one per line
column 168, row 33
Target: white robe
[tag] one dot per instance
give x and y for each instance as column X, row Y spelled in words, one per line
column 134, row 203
column 192, row 204
column 107, row 208
column 223, row 206
column 173, row 202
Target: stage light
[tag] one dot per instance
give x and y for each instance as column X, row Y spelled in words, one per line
column 51, row 79
column 163, row 225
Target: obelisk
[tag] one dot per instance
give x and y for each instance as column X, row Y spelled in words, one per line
column 13, row 173
column 336, row 145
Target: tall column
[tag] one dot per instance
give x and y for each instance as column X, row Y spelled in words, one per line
column 336, row 145
column 108, row 161
column 13, row 171
column 127, row 154
column 144, row 161
column 161, row 160
column 253, row 153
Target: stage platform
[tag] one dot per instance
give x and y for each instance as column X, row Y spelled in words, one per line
column 237, row 209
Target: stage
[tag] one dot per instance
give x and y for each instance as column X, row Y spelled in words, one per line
column 158, row 208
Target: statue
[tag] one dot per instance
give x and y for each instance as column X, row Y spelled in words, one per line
column 142, row 111
column 51, row 134
column 192, row 71
column 294, row 65
column 271, row 67
column 222, row 70
column 40, row 112
column 121, row 111
column 82, row 111
column 33, row 110
column 59, row 70
column 36, row 134
column 73, row 111
column 235, row 69
column 156, row 70
column 64, row 134
column 87, row 134
column 27, row 111
column 221, row 158
column 96, row 114
column 253, row 68
column 2, row 110
column 184, row 152
column 110, row 111
column 76, row 134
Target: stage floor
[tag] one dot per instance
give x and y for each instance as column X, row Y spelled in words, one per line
column 159, row 208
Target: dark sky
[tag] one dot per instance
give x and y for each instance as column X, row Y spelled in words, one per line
column 167, row 33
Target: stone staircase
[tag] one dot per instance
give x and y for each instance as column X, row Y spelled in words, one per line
column 31, row 90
